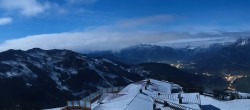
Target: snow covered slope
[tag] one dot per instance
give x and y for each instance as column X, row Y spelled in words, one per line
column 61, row 75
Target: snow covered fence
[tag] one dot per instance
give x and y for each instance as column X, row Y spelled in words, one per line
column 171, row 106
column 93, row 95
column 191, row 98
column 104, row 90
column 167, row 96
column 77, row 105
column 187, row 97
column 208, row 94
column 86, row 102
column 112, row 89
column 244, row 95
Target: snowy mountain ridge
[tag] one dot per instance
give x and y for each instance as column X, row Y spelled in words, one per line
column 54, row 64
column 57, row 74
column 61, row 75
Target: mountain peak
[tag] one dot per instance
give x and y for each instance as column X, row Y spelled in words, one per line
column 243, row 41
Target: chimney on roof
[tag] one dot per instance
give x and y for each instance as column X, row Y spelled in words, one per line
column 140, row 90
column 148, row 81
column 154, row 106
column 165, row 104
column 180, row 98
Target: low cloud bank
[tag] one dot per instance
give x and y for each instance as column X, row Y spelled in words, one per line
column 94, row 40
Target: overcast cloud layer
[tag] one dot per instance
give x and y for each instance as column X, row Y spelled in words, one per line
column 85, row 41
column 104, row 40
column 120, row 34
column 89, row 25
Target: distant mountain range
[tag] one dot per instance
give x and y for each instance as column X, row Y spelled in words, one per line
column 225, row 58
column 217, row 59
column 37, row 78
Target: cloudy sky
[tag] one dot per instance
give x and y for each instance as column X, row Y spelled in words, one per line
column 84, row 25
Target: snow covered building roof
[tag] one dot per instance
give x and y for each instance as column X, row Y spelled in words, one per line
column 162, row 95
column 148, row 95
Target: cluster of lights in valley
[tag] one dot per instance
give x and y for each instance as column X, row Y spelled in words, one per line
column 228, row 77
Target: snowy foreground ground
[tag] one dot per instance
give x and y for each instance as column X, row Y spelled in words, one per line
column 238, row 104
column 131, row 99
column 59, row 108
